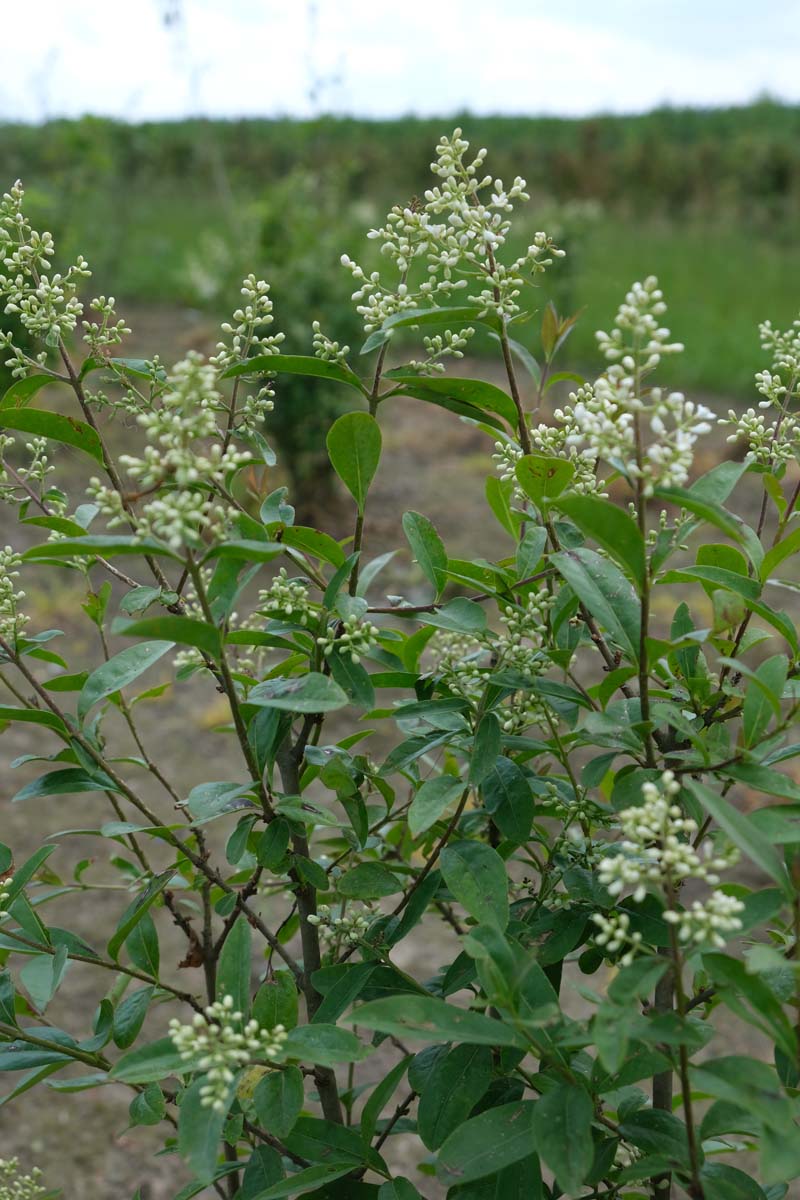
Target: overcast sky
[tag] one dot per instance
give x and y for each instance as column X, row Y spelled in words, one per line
column 384, row 57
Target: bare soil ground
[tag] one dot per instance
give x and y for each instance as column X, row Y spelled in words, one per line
column 433, row 463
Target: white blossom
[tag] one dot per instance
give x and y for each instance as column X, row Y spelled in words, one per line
column 287, row 598
column 218, row 1043
column 335, row 925
column 15, row 1186
column 459, row 232
column 12, row 621
column 646, row 432
column 5, row 894
column 353, row 636
column 615, row 934
column 324, row 348
column 184, row 458
column 705, row 922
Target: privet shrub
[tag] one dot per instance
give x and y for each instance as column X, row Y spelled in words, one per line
column 567, row 729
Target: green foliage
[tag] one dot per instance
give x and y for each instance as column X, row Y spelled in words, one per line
column 548, row 781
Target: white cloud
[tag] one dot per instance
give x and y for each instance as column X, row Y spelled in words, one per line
column 245, row 57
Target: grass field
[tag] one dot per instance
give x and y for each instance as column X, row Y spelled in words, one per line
column 175, row 213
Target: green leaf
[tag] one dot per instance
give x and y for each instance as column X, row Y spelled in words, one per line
column 41, row 976
column 721, row 1181
column 432, row 1019
column 498, row 497
column 202, row 636
column 129, row 1016
column 605, row 593
column 55, row 426
column 142, row 946
column 296, row 364
column 612, row 528
column 149, row 1063
column 427, row 548
column 234, row 966
column 22, row 391
column 119, row 671
column 731, row 581
column 398, row 1188
column 246, row 549
column 352, row 678
column 148, row 1107
column 431, row 801
column 309, row 1179
column 786, row 548
column 35, row 716
column 460, row 615
column 311, row 693
column 562, row 1126
column 485, row 748
column 455, row 1084
column 507, row 796
column 354, row 448
column 380, row 1096
column 278, row 1100
column 743, row 833
column 487, row 1143
column 200, row 1130
column 763, row 697
column 210, row 800
column 69, row 782
column 263, row 1169
column 100, row 545
column 369, row 881
column 476, row 875
column 324, row 1045
column 134, row 912
column 276, row 1002
column 484, row 397
column 446, row 315
column 542, row 479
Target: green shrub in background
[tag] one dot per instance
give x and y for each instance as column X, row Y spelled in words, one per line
column 554, row 795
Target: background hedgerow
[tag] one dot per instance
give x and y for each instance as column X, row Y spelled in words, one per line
column 533, row 766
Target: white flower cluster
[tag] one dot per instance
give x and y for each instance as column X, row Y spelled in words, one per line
column 347, row 927
column 441, row 346
column 101, row 335
column 182, row 462
column 569, row 810
column 12, row 622
column 657, row 851
column 324, row 348
column 705, row 923
column 638, row 339
column 5, row 895
column 611, row 418
column 47, row 304
column 463, row 661
column 222, row 1045
column 247, row 338
column 615, row 934
column 353, row 636
column 287, row 597
column 775, row 440
column 520, row 647
column 460, row 660
column 459, row 232
column 18, row 480
column 14, row 1186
